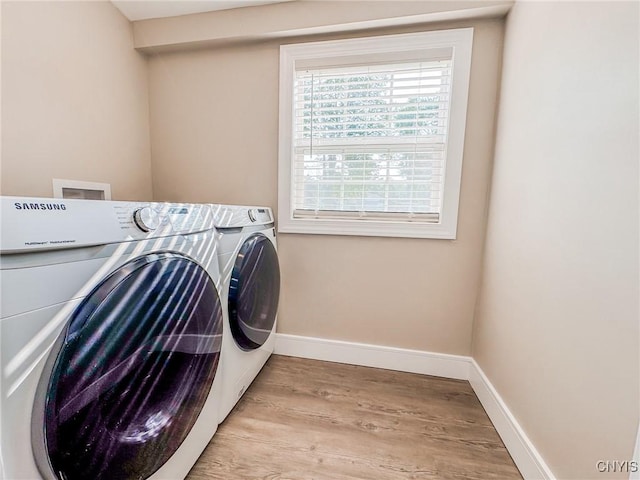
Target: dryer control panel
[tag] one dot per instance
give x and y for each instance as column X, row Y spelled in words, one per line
column 45, row 223
column 260, row 215
column 238, row 216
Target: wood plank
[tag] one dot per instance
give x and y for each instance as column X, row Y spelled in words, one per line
column 306, row 419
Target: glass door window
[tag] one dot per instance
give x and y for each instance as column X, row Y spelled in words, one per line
column 133, row 371
column 254, row 290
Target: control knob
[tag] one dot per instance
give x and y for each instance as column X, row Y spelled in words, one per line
column 147, row 219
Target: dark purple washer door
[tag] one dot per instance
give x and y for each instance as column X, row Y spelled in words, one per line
column 254, row 290
column 134, row 369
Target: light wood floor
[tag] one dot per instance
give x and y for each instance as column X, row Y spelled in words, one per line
column 305, row 419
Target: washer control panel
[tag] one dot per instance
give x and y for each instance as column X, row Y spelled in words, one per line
column 46, row 223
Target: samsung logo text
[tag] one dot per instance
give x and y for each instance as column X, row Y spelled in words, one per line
column 40, row 206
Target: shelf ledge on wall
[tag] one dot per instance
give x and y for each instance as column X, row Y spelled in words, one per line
column 293, row 19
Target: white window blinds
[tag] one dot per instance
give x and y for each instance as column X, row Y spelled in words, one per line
column 369, row 141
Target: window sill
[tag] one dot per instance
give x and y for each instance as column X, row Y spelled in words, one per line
column 368, row 228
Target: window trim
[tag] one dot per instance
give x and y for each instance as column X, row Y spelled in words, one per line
column 461, row 41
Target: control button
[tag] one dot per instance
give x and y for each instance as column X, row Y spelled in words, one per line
column 252, row 216
column 147, row 219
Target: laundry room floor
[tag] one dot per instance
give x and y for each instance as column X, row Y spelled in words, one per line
column 305, row 419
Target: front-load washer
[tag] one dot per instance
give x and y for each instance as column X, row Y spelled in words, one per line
column 111, row 328
column 250, row 292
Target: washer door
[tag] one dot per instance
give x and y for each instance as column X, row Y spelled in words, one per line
column 254, row 289
column 131, row 374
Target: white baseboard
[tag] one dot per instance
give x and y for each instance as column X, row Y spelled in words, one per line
column 524, row 454
column 390, row 358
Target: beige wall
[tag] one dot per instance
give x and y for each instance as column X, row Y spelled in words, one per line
column 74, row 99
column 214, row 131
column 557, row 326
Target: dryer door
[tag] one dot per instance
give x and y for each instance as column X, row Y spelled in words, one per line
column 254, row 289
column 130, row 373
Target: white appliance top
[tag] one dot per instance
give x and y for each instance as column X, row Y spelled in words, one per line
column 28, row 224
column 236, row 216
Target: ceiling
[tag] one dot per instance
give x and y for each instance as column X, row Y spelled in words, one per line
column 144, row 9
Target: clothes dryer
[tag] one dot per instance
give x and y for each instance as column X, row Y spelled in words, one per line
column 250, row 291
column 111, row 328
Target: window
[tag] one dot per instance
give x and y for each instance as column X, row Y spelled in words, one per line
column 372, row 133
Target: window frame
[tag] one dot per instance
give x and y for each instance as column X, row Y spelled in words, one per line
column 460, row 40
